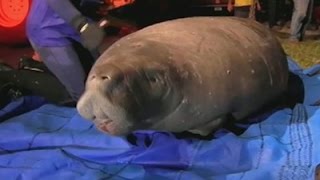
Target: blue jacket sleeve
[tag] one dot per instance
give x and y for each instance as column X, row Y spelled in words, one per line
column 65, row 9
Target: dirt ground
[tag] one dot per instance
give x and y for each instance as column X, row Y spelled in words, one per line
column 307, row 52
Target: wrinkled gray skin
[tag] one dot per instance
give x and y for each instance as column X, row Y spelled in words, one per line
column 184, row 75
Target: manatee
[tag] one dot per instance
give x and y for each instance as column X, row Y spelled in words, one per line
column 186, row 74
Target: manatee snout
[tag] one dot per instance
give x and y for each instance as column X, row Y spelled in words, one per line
column 100, row 85
column 106, row 90
column 120, row 100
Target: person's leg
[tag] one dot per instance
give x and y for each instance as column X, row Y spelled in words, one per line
column 28, row 63
column 308, row 19
column 64, row 63
column 281, row 12
column 242, row 12
column 87, row 58
column 272, row 12
column 299, row 14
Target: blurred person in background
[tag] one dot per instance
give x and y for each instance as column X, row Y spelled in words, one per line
column 244, row 8
column 301, row 16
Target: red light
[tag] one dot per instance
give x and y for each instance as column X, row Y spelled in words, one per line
column 13, row 12
column 119, row 3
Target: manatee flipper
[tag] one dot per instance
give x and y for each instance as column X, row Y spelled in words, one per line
column 208, row 128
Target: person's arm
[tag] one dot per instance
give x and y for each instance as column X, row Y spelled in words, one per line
column 230, row 6
column 91, row 33
column 65, row 9
column 258, row 5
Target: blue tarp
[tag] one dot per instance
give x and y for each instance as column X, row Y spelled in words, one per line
column 43, row 141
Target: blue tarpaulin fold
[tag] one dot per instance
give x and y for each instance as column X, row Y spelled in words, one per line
column 43, row 141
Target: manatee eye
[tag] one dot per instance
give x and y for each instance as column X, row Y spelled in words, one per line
column 156, row 82
column 153, row 79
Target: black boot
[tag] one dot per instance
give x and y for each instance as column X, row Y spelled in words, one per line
column 28, row 63
column 8, row 93
column 4, row 67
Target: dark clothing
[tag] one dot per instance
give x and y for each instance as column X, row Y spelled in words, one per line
column 44, row 83
column 65, row 64
column 51, row 34
column 275, row 11
column 48, row 22
column 243, row 11
column 46, row 28
column 27, row 82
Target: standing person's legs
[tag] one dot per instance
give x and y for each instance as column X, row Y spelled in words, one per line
column 242, row 11
column 64, row 63
column 280, row 11
column 299, row 14
column 272, row 10
column 308, row 18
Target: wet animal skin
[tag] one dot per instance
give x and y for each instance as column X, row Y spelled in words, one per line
column 185, row 75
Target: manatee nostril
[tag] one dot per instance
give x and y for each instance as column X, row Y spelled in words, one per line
column 92, row 77
column 105, row 77
column 110, row 79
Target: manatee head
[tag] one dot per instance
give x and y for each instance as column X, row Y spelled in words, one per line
column 130, row 92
